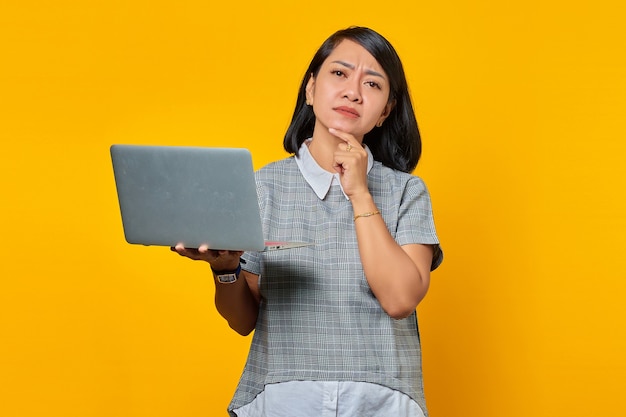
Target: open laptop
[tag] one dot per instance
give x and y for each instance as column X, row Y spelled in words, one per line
column 191, row 195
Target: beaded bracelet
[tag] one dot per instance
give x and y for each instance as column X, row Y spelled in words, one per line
column 371, row 213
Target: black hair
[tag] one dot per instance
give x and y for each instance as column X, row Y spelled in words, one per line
column 397, row 143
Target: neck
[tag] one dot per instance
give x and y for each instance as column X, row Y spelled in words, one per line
column 323, row 152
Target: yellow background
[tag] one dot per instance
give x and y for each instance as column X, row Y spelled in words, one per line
column 521, row 107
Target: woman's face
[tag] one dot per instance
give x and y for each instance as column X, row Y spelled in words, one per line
column 350, row 92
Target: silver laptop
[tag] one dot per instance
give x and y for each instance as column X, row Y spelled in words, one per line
column 191, row 195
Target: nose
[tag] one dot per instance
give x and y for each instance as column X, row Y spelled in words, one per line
column 353, row 90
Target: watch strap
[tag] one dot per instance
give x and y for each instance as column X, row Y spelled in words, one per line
column 227, row 277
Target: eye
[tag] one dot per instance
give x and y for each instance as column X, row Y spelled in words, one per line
column 373, row 84
column 338, row 73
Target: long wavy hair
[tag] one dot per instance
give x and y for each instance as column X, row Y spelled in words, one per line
column 397, row 143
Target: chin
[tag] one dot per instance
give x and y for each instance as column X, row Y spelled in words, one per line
column 347, row 128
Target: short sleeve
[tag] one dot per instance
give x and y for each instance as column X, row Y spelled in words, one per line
column 251, row 261
column 415, row 219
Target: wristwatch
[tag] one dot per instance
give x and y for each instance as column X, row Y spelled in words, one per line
column 227, row 277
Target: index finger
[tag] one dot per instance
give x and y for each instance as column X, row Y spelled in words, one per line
column 346, row 137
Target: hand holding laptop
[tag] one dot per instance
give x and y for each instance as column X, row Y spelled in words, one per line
column 220, row 260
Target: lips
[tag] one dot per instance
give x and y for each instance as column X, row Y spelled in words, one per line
column 347, row 111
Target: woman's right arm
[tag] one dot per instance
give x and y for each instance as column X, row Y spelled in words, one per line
column 238, row 301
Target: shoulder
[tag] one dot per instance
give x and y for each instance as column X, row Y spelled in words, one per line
column 395, row 179
column 277, row 170
column 278, row 177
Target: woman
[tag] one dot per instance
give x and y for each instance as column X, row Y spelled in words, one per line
column 335, row 323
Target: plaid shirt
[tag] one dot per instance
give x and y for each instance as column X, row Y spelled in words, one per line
column 318, row 318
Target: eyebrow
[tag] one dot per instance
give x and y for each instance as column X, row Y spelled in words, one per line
column 367, row 71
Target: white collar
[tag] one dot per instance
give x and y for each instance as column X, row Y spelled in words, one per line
column 317, row 177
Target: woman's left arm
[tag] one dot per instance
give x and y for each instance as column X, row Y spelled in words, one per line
column 399, row 276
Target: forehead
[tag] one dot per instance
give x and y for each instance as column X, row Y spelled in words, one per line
column 352, row 53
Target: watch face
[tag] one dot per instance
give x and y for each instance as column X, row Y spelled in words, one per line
column 227, row 278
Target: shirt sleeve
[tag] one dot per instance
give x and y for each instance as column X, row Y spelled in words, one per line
column 415, row 219
column 251, row 261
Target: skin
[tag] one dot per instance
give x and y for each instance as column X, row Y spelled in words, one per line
column 350, row 96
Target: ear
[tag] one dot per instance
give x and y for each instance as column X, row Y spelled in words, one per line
column 386, row 111
column 310, row 90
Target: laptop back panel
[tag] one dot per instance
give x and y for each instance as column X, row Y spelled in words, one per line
column 192, row 195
